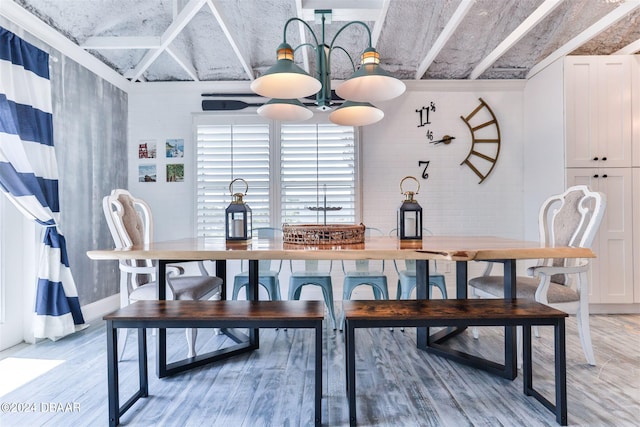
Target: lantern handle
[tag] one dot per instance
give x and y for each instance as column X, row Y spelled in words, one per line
column 409, row 177
column 246, row 186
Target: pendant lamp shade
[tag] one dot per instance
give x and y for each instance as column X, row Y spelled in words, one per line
column 286, row 110
column 285, row 79
column 370, row 82
column 356, row 114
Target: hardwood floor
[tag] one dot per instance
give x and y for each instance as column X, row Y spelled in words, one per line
column 397, row 385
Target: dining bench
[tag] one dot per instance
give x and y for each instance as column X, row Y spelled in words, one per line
column 204, row 314
column 461, row 313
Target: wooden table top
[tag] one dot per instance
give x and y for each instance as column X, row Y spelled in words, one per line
column 453, row 248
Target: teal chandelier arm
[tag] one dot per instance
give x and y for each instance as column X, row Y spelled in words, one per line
column 347, row 25
column 290, row 20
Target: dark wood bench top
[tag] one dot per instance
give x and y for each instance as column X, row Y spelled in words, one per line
column 448, row 309
column 219, row 310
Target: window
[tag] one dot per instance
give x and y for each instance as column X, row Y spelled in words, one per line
column 293, row 171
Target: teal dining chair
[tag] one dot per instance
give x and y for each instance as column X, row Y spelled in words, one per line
column 364, row 272
column 268, row 270
column 407, row 276
column 314, row 274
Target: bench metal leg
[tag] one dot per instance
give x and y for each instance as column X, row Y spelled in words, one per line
column 560, row 407
column 115, row 411
column 351, row 371
column 112, row 374
column 318, row 390
column 561, row 373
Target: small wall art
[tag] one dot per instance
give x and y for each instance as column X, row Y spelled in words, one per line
column 175, row 172
column 147, row 149
column 147, row 173
column 174, row 148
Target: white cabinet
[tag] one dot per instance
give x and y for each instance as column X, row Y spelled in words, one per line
column 612, row 272
column 635, row 102
column 598, row 110
column 636, row 233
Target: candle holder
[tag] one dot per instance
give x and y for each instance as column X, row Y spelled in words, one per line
column 238, row 215
column 409, row 214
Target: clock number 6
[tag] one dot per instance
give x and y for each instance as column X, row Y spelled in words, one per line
column 425, row 175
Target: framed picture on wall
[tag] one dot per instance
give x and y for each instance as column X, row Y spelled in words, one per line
column 175, row 172
column 147, row 173
column 147, row 149
column 174, row 148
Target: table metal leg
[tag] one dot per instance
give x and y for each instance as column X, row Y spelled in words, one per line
column 434, row 343
column 244, row 343
column 510, row 343
column 254, row 278
column 422, row 292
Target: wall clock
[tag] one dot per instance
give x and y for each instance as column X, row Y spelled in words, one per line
column 485, row 141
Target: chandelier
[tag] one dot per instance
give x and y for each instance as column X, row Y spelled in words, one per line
column 285, row 82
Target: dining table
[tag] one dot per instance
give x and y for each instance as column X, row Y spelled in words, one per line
column 461, row 249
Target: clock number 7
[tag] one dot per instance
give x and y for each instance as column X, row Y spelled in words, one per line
column 425, row 175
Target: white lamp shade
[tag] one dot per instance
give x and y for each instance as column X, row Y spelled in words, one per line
column 356, row 114
column 286, row 110
column 370, row 83
column 286, row 80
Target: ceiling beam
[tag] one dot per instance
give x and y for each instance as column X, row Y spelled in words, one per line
column 445, row 35
column 601, row 25
column 303, row 36
column 527, row 25
column 183, row 62
column 213, row 5
column 121, row 42
column 379, row 22
column 33, row 25
column 184, row 17
column 629, row 49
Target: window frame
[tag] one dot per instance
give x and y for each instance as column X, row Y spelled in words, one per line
column 275, row 217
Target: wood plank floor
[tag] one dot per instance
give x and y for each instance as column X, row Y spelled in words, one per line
column 397, row 385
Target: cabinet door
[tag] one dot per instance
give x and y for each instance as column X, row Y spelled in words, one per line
column 615, row 236
column 612, row 270
column 635, row 113
column 598, row 111
column 636, row 234
column 580, row 106
column 614, row 111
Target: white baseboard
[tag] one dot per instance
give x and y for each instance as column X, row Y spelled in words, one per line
column 614, row 308
column 96, row 310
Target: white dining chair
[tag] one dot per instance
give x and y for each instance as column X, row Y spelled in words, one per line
column 568, row 219
column 131, row 224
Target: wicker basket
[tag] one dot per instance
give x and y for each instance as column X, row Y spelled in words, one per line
column 316, row 234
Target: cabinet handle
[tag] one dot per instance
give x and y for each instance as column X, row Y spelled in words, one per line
column 595, row 158
column 595, row 176
column 604, row 176
column 604, row 158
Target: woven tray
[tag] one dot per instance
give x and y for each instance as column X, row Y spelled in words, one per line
column 316, row 234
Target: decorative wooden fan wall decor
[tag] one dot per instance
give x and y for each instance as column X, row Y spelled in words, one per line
column 485, row 140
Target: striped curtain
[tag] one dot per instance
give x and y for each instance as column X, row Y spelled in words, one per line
column 29, row 178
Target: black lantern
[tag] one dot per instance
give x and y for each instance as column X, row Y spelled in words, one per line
column 409, row 214
column 238, row 215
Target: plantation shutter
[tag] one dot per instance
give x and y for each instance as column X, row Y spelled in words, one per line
column 226, row 152
column 317, row 163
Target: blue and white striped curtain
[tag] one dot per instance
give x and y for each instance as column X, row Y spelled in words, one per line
column 29, row 177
